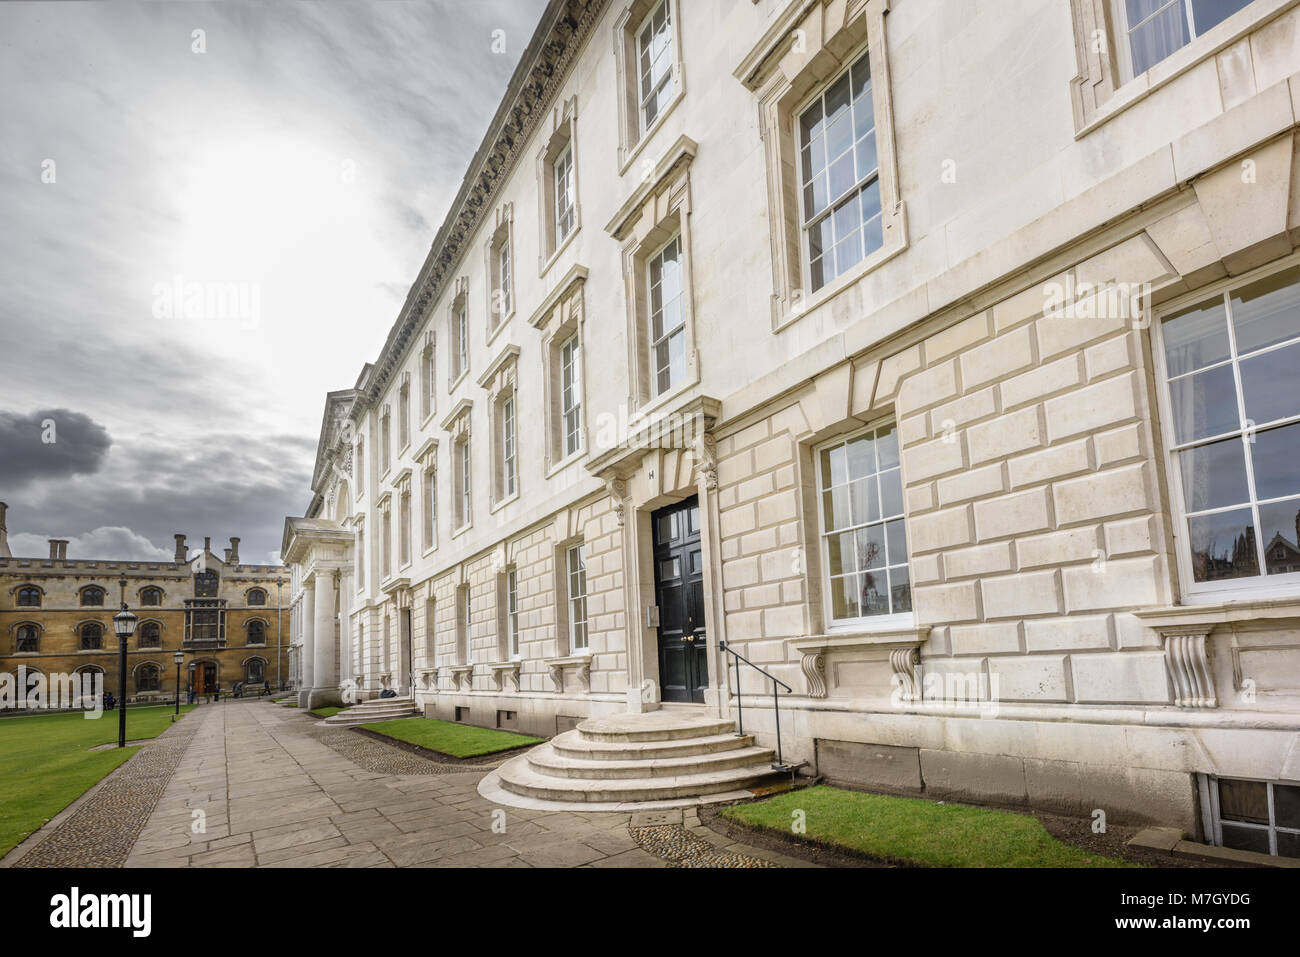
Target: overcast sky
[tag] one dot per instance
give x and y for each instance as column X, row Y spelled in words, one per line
column 284, row 170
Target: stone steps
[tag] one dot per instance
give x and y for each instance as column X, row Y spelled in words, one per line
column 381, row 709
column 571, row 744
column 658, row 759
column 546, row 761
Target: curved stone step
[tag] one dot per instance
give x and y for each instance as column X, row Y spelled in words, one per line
column 571, row 744
column 654, row 726
column 547, row 762
column 519, row 777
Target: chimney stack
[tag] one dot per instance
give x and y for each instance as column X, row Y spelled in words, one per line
column 181, row 551
column 58, row 549
column 207, row 544
column 234, row 551
column 4, row 533
column 227, row 556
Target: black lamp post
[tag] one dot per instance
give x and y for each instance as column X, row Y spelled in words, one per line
column 124, row 628
column 178, row 658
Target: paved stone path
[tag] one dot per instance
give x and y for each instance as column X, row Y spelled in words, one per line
column 102, row 829
column 263, row 786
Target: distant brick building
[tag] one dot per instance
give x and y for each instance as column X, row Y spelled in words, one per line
column 56, row 618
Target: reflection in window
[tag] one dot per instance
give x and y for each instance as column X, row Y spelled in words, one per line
column 668, row 317
column 92, row 636
column 1235, row 422
column 149, row 634
column 1157, row 28
column 863, row 534
column 29, row 638
column 839, row 176
column 655, row 63
column 147, row 678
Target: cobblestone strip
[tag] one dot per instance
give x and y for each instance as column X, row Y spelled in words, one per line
column 102, row 831
column 676, row 844
column 374, row 755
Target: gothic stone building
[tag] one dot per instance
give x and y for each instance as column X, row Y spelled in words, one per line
column 938, row 362
column 56, row 619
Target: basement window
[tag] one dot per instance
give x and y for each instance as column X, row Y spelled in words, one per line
column 1260, row 816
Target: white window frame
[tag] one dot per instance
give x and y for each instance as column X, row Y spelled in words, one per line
column 429, row 507
column 404, row 414
column 670, row 54
column 575, row 578
column 1212, row 813
column 460, row 337
column 683, row 296
column 465, row 470
column 506, row 302
column 1124, row 29
column 404, row 550
column 570, row 396
column 860, row 185
column 512, row 613
column 1193, row 592
column 868, row 623
column 509, row 478
column 428, row 378
column 564, row 181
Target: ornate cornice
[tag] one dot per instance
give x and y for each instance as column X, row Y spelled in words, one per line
column 536, row 82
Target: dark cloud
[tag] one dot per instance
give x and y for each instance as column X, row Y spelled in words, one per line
column 50, row 444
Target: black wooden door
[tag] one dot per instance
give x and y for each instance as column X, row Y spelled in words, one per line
column 679, row 593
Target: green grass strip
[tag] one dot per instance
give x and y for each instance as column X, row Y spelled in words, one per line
column 915, row 831
column 457, row 740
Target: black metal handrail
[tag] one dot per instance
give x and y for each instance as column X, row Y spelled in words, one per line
column 776, row 707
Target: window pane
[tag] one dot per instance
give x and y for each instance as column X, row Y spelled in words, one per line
column 836, row 504
column 1214, row 475
column 1280, row 523
column 1286, row 805
column 844, row 597
column 1196, row 337
column 865, row 500
column 891, row 493
column 835, row 466
column 896, row 542
column 842, row 177
column 1245, row 838
column 1268, row 384
column 839, row 550
column 1288, row 844
column 1204, row 404
column 887, row 447
column 1223, row 545
column 900, row 590
column 810, row 123
column 1243, row 801
column 1268, row 311
column 1210, row 13
column 1158, row 37
column 1276, row 456
column 870, row 547
column 874, row 593
column 867, row 161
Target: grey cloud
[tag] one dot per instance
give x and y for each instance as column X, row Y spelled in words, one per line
column 50, row 444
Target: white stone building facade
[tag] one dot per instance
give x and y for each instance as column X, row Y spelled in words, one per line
column 932, row 355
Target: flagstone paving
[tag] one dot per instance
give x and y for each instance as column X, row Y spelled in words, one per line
column 264, row 786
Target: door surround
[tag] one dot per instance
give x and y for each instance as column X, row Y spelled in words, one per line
column 641, row 481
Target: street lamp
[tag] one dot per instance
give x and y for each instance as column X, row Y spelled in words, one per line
column 124, row 628
column 178, row 657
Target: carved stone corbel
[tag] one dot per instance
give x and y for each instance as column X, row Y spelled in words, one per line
column 503, row 670
column 906, row 663
column 556, row 672
column 618, row 492
column 1187, row 657
column 706, row 459
column 813, row 665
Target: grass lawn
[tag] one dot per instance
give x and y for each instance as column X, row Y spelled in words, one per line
column 45, row 764
column 325, row 712
column 457, row 740
column 920, row 832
